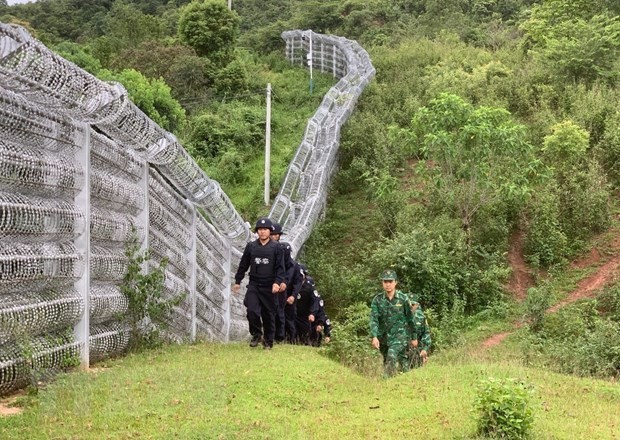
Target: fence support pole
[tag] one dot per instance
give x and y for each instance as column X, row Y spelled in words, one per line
column 192, row 280
column 82, row 244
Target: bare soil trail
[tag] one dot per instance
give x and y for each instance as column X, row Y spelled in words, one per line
column 586, row 288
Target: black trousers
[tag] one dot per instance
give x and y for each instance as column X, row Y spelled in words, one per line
column 303, row 329
column 315, row 337
column 290, row 314
column 280, row 299
column 261, row 312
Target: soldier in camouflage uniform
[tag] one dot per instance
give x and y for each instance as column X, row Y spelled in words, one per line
column 391, row 325
column 418, row 355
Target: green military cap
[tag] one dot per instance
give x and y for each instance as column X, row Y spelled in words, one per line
column 413, row 298
column 389, row 274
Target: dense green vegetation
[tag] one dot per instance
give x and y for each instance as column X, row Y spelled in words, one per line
column 488, row 119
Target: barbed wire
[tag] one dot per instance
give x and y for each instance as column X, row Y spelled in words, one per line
column 83, row 172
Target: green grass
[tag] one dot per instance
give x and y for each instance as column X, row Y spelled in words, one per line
column 292, row 106
column 210, row 391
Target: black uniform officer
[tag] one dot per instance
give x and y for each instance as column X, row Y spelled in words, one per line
column 281, row 297
column 265, row 259
column 290, row 309
column 307, row 308
column 321, row 326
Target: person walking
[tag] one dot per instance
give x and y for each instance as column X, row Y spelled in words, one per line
column 282, row 296
column 265, row 260
column 307, row 308
column 321, row 327
column 418, row 355
column 392, row 325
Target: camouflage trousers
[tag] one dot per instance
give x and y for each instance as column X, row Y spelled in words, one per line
column 414, row 358
column 395, row 356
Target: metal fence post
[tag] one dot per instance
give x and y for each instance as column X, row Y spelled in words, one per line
column 192, row 280
column 228, row 291
column 82, row 244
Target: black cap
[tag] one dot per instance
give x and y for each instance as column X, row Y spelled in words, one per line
column 263, row 222
column 277, row 229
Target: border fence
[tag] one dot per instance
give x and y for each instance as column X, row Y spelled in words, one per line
column 83, row 171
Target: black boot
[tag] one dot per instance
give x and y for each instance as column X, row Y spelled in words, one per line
column 255, row 340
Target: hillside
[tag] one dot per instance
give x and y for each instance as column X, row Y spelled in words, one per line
column 481, row 165
column 217, row 391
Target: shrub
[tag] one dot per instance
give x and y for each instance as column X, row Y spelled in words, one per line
column 537, row 302
column 152, row 96
column 504, row 409
column 578, row 341
column 436, row 263
column 350, row 342
column 447, row 330
column 148, row 309
column 609, row 303
column 609, row 148
column 545, row 242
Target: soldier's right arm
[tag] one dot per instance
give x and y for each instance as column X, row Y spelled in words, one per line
column 298, row 281
column 423, row 332
column 244, row 264
column 374, row 318
column 289, row 264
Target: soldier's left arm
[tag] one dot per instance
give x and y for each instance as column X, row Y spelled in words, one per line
column 424, row 333
column 409, row 319
column 280, row 267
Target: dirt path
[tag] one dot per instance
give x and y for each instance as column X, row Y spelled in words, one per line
column 586, row 288
column 7, row 405
column 521, row 278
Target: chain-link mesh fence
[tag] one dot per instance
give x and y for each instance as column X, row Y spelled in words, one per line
column 83, row 172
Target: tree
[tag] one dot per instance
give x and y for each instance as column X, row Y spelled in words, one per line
column 178, row 65
column 582, row 189
column 126, row 23
column 575, row 39
column 210, row 29
column 151, row 96
column 472, row 157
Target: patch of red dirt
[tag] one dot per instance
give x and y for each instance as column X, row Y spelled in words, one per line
column 6, row 406
column 521, row 278
column 594, row 256
column 586, row 288
column 495, row 339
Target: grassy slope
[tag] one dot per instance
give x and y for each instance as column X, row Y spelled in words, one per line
column 292, row 106
column 232, row 391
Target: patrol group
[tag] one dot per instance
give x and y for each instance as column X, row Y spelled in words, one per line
column 282, row 302
column 283, row 305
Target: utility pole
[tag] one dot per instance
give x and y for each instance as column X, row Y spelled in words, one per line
column 309, row 56
column 268, row 145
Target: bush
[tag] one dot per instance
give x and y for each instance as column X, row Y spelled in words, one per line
column 152, row 96
column 238, row 125
column 609, row 303
column 504, row 409
column 447, row 330
column 545, row 242
column 435, row 262
column 609, row 148
column 537, row 302
column 148, row 309
column 350, row 342
column 576, row 340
